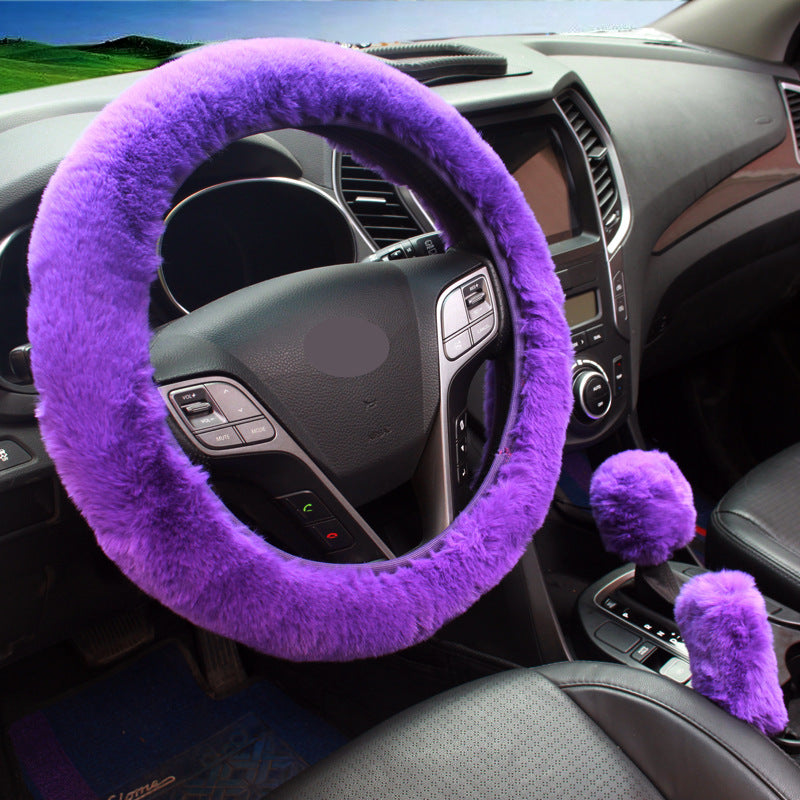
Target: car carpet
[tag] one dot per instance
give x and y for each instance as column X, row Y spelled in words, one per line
column 148, row 730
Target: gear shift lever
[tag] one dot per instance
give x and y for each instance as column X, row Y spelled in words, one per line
column 644, row 510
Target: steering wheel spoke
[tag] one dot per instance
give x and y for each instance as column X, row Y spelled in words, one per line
column 469, row 317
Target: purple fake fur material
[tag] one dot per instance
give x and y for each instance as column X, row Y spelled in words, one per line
column 93, row 255
column 643, row 506
column 723, row 620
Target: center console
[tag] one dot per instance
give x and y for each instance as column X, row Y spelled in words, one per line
column 563, row 160
column 630, row 632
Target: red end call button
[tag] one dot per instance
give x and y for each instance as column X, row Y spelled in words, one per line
column 331, row 535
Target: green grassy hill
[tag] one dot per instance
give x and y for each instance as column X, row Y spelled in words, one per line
column 28, row 65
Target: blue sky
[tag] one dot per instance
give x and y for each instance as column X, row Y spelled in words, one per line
column 69, row 22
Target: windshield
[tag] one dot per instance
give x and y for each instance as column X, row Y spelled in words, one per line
column 54, row 42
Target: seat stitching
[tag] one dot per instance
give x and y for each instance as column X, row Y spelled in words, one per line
column 757, row 554
column 756, row 524
column 625, row 690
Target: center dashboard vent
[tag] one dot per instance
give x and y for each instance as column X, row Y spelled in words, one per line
column 792, row 95
column 605, row 185
column 376, row 204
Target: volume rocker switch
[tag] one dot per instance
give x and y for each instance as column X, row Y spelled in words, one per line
column 193, row 409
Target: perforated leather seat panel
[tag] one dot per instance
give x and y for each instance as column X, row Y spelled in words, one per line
column 756, row 527
column 588, row 731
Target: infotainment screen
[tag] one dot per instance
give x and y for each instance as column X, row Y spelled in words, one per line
column 532, row 155
column 544, row 183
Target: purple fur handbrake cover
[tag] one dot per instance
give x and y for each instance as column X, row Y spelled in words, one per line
column 723, row 621
column 643, row 506
column 93, row 256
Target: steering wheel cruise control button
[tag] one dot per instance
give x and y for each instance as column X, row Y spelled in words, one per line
column 232, row 402
column 458, row 345
column 220, row 439
column 480, row 330
column 454, row 315
column 12, row 455
column 307, row 507
column 257, row 430
column 332, row 535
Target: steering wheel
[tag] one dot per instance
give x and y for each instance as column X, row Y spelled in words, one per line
column 346, row 376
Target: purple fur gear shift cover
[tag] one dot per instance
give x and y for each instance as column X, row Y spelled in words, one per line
column 93, row 255
column 723, row 621
column 643, row 506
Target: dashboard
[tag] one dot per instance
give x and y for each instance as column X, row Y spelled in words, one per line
column 666, row 180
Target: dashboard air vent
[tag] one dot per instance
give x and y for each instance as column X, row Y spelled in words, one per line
column 608, row 196
column 792, row 95
column 375, row 204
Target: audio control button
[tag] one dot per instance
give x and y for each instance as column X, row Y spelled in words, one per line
column 579, row 341
column 220, row 439
column 257, row 430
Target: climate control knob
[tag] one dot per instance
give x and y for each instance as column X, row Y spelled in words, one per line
column 592, row 393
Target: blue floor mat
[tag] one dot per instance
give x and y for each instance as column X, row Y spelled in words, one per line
column 148, row 730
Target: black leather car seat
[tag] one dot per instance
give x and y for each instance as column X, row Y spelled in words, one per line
column 756, row 527
column 580, row 731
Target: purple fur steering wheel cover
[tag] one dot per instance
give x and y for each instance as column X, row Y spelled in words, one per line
column 93, row 255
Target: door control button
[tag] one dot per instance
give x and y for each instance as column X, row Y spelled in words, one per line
column 307, row 507
column 232, row 402
column 257, row 430
column 331, row 535
column 220, row 439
